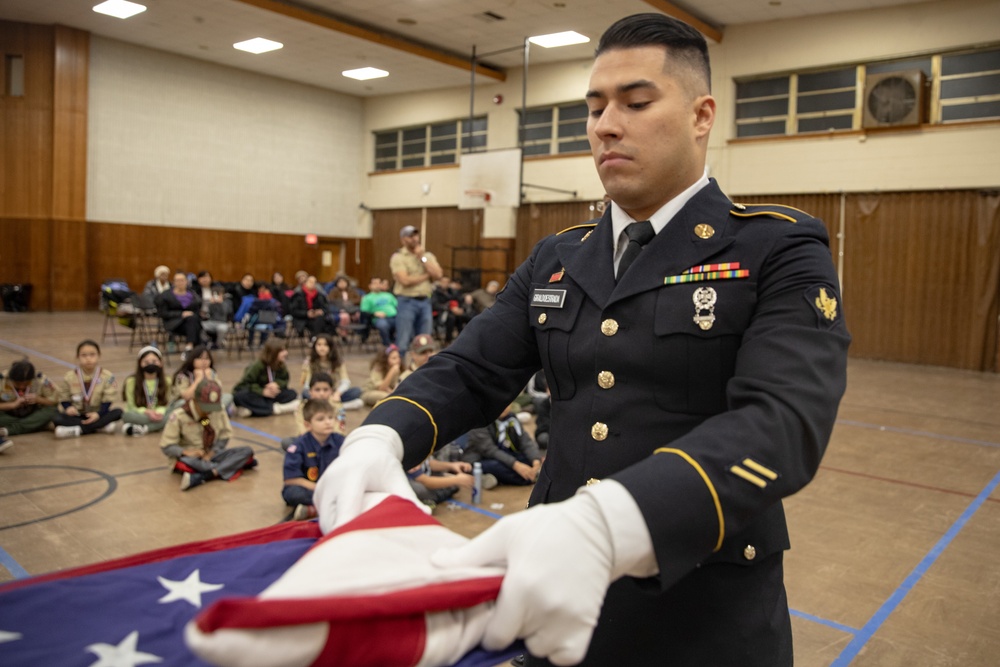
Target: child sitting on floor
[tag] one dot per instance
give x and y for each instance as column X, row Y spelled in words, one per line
column 85, row 396
column 432, row 488
column 263, row 389
column 145, row 395
column 196, row 436
column 27, row 402
column 325, row 357
column 309, row 455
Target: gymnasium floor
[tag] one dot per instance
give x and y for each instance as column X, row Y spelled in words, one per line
column 893, row 544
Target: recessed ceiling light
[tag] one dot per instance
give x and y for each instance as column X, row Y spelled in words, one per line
column 365, row 73
column 559, row 39
column 121, row 9
column 258, row 45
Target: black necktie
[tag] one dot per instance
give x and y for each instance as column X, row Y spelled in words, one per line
column 639, row 234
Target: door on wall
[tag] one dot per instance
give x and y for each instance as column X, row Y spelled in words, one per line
column 332, row 255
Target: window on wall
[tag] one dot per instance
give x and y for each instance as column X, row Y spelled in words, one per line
column 429, row 145
column 831, row 100
column 556, row 130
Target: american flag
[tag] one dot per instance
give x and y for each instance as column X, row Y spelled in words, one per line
column 134, row 611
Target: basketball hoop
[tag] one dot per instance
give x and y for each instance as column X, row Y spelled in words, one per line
column 477, row 198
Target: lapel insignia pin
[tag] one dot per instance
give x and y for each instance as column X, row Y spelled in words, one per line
column 558, row 275
column 704, row 302
column 586, row 236
column 704, row 231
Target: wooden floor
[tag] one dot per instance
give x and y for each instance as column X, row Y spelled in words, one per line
column 893, row 544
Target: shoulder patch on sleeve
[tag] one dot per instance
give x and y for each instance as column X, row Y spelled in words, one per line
column 825, row 301
column 775, row 211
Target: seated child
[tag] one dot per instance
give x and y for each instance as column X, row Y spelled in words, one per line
column 27, row 402
column 263, row 389
column 85, row 396
column 433, row 488
column 196, row 436
column 321, row 388
column 309, row 455
column 324, row 356
column 145, row 395
column 384, row 375
column 199, row 365
column 507, row 451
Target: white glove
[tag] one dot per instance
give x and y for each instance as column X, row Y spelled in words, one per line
column 370, row 461
column 560, row 560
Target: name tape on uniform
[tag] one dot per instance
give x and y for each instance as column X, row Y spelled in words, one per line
column 548, row 298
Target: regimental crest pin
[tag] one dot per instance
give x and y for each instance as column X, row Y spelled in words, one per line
column 704, row 307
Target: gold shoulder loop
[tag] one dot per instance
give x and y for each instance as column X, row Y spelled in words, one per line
column 791, row 214
column 589, row 225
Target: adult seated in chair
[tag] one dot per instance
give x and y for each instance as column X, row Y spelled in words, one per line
column 344, row 300
column 159, row 283
column 378, row 310
column 179, row 308
column 308, row 308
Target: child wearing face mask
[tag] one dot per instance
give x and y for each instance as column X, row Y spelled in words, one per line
column 146, row 394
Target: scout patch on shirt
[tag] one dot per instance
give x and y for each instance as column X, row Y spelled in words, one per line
column 312, row 474
column 825, row 301
column 548, row 298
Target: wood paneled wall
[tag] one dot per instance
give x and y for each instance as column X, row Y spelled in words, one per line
column 921, row 273
column 43, row 171
column 133, row 251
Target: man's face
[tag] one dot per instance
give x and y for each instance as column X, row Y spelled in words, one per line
column 411, row 241
column 648, row 127
column 247, row 281
column 375, row 285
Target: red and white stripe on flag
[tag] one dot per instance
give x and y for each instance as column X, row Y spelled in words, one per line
column 365, row 595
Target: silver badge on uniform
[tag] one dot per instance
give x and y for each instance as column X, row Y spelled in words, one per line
column 704, row 307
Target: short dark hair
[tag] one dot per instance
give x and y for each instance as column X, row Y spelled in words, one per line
column 21, row 371
column 320, row 377
column 315, row 406
column 681, row 41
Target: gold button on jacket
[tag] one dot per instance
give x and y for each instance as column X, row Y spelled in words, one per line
column 609, row 327
column 749, row 552
column 599, row 431
column 606, row 379
column 593, row 481
column 542, row 318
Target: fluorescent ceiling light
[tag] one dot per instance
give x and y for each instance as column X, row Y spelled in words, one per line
column 258, row 45
column 365, row 73
column 559, row 39
column 121, row 9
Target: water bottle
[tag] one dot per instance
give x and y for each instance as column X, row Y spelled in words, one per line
column 477, row 483
column 342, row 420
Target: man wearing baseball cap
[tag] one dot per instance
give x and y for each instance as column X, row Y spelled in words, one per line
column 414, row 270
column 422, row 348
column 196, row 436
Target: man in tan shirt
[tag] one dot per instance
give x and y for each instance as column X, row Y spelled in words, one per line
column 414, row 270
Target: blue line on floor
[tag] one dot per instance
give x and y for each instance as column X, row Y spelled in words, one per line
column 823, row 621
column 480, row 510
column 34, row 353
column 12, row 565
column 263, row 434
column 922, row 434
column 871, row 627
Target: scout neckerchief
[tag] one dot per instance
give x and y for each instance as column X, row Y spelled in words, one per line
column 151, row 397
column 207, row 432
column 88, row 390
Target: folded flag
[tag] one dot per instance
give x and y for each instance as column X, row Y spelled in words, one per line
column 133, row 611
column 365, row 595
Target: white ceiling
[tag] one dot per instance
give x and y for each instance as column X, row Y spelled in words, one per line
column 314, row 54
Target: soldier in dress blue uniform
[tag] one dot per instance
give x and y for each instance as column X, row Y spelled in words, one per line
column 695, row 379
